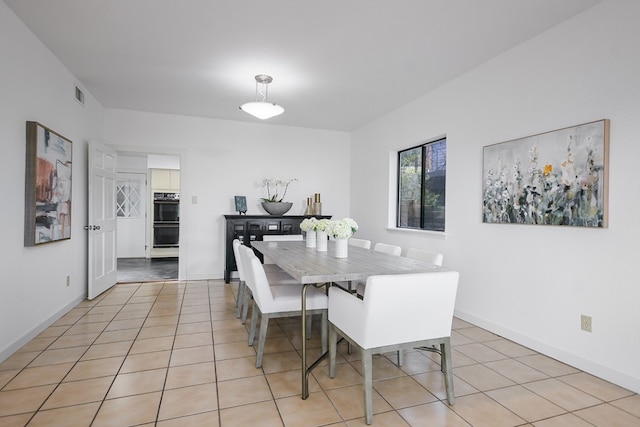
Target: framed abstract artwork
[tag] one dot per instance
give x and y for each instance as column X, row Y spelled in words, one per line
column 553, row 178
column 47, row 186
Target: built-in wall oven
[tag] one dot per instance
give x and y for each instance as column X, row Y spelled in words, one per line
column 166, row 220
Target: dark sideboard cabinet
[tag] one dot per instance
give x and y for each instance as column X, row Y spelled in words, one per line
column 248, row 228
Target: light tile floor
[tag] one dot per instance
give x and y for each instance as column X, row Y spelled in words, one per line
column 174, row 354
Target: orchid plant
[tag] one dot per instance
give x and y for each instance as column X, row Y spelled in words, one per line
column 267, row 182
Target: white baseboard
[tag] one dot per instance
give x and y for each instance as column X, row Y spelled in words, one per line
column 18, row 344
column 605, row 372
column 203, row 276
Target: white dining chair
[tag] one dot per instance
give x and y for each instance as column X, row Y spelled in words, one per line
column 269, row 265
column 434, row 258
column 276, row 278
column 384, row 248
column 279, row 301
column 388, row 249
column 386, row 320
column 360, row 243
column 422, row 255
column 241, row 285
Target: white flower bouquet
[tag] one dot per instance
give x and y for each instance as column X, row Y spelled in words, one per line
column 351, row 223
column 308, row 224
column 343, row 228
column 323, row 225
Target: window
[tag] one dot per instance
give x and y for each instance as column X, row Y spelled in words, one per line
column 128, row 198
column 421, row 186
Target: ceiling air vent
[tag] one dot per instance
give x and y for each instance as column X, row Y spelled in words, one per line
column 79, row 95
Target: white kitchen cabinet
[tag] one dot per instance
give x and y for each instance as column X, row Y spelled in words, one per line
column 167, row 180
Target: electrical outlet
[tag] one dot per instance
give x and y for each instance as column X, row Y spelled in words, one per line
column 585, row 323
column 68, row 280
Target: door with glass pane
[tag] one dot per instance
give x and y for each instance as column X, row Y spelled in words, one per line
column 131, row 211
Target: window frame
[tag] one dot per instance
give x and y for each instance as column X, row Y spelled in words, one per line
column 124, row 187
column 423, row 227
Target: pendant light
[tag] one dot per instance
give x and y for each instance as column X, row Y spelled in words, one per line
column 260, row 108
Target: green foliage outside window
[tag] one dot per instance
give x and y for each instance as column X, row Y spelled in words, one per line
column 421, row 186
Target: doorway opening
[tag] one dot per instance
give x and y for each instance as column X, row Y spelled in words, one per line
column 147, row 209
column 147, row 269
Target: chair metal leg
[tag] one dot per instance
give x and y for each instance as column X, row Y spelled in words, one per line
column 264, row 324
column 245, row 304
column 445, row 348
column 400, row 357
column 333, row 344
column 309, row 322
column 323, row 328
column 238, row 296
column 367, row 369
column 239, row 302
column 254, row 321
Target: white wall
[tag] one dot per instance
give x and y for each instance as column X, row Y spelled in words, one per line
column 531, row 283
column 35, row 86
column 527, row 283
column 159, row 161
column 220, row 159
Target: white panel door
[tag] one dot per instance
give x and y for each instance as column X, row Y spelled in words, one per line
column 102, row 262
column 131, row 211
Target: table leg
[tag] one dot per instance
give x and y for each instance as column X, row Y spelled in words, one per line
column 305, row 382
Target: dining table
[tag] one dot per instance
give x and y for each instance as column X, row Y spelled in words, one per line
column 311, row 267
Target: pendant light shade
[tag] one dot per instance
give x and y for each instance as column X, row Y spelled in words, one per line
column 261, row 108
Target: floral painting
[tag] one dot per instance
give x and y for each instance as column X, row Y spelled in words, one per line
column 554, row 178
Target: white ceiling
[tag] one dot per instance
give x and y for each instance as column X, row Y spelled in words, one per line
column 336, row 64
